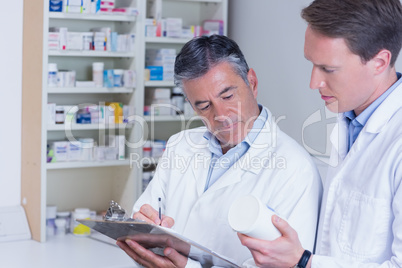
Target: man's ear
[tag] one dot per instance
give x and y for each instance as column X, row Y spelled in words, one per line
column 253, row 81
column 381, row 61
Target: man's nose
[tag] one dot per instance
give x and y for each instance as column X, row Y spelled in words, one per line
column 220, row 113
column 317, row 79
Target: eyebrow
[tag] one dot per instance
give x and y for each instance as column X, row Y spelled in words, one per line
column 321, row 65
column 225, row 90
column 219, row 94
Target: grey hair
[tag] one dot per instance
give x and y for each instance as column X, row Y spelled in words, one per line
column 201, row 54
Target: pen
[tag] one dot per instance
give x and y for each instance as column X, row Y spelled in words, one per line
column 160, row 210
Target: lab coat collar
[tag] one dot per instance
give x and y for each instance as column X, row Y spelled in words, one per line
column 377, row 121
column 263, row 144
column 385, row 111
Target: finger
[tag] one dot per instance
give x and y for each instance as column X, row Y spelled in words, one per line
column 147, row 213
column 167, row 221
column 148, row 258
column 254, row 243
column 130, row 252
column 175, row 257
column 283, row 227
column 151, row 213
column 142, row 217
column 143, row 256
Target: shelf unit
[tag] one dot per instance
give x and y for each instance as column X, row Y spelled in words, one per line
column 90, row 54
column 166, row 40
column 87, row 164
column 193, row 12
column 102, row 17
column 67, row 127
column 86, row 90
column 159, row 84
column 68, row 184
column 93, row 184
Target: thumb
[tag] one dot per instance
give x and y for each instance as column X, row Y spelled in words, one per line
column 175, row 257
column 282, row 226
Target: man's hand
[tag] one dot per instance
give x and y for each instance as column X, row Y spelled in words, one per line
column 147, row 258
column 149, row 214
column 284, row 251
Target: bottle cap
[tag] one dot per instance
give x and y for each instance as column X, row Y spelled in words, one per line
column 52, row 67
column 98, row 66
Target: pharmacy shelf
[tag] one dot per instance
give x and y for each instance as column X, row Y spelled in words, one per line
column 90, row 53
column 167, row 118
column 197, row 1
column 104, row 17
column 63, row 127
column 159, row 84
column 83, row 90
column 166, row 40
column 87, row 164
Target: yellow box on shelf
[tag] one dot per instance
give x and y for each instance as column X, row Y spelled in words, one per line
column 115, row 109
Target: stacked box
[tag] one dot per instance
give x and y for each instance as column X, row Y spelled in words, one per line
column 55, row 5
column 164, row 58
column 174, row 27
column 53, row 40
column 74, row 6
column 159, row 101
column 213, row 27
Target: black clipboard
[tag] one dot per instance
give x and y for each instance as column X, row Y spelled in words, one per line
column 156, row 238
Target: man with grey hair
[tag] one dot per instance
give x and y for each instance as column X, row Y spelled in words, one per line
column 353, row 45
column 241, row 151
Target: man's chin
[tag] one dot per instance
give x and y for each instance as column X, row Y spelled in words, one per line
column 333, row 107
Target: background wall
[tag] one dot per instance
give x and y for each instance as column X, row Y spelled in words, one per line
column 10, row 95
column 274, row 49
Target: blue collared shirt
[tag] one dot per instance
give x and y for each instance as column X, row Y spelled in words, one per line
column 220, row 162
column 356, row 123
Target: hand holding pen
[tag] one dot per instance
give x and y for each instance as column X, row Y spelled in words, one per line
column 149, row 214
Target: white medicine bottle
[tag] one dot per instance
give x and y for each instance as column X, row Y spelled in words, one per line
column 61, row 226
column 177, row 101
column 77, row 228
column 52, row 75
column 97, row 73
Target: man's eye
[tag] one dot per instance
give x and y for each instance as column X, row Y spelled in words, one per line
column 228, row 97
column 327, row 70
column 204, row 108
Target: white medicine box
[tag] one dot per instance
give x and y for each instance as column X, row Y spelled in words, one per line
column 60, row 150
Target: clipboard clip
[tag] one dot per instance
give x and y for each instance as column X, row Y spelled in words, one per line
column 115, row 213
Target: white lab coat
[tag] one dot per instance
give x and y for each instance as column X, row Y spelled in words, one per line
column 361, row 214
column 287, row 181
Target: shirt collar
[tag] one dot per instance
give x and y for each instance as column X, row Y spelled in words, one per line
column 257, row 126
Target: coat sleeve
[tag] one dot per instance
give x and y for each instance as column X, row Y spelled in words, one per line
column 298, row 200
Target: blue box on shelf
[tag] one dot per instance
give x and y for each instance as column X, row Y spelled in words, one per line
column 55, row 5
column 83, row 118
column 155, row 73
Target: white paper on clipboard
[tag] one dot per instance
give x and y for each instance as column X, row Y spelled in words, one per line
column 155, row 238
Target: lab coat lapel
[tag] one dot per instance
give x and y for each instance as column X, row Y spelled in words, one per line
column 385, row 111
column 339, row 140
column 378, row 120
column 200, row 167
